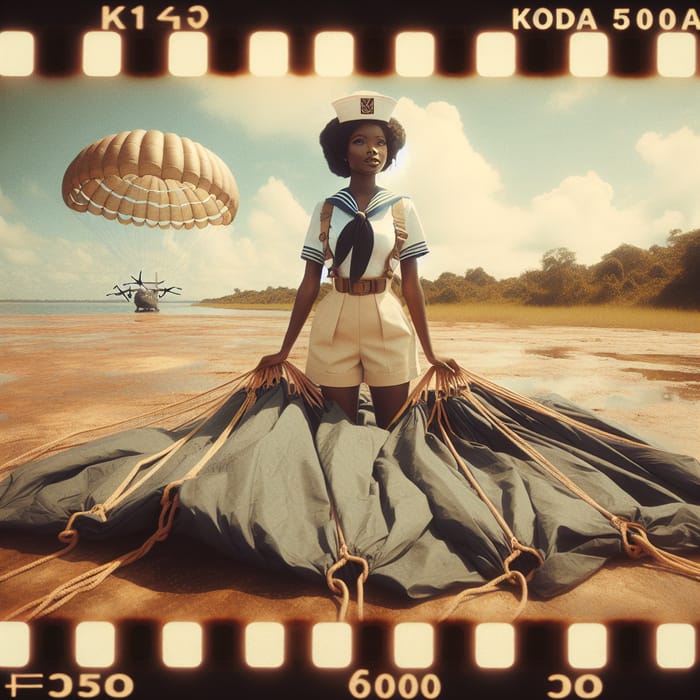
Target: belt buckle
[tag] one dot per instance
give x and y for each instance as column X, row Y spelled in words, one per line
column 362, row 287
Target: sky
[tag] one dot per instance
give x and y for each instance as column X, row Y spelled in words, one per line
column 501, row 170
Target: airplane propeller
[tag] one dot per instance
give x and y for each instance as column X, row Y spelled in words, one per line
column 126, row 293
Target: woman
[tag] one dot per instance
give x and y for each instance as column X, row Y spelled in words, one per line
column 360, row 333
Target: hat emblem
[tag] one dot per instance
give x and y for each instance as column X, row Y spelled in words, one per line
column 364, row 105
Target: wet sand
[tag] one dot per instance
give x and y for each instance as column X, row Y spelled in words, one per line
column 60, row 374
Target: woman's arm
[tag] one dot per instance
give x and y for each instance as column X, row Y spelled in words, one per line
column 303, row 302
column 415, row 301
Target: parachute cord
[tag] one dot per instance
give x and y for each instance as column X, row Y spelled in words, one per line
column 170, row 498
column 69, row 536
column 91, row 579
column 515, row 544
column 257, row 379
column 339, row 587
column 156, row 415
column 634, row 537
column 471, row 378
column 121, row 492
column 637, row 545
column 514, row 577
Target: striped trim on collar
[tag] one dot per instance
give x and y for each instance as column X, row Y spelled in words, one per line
column 379, row 202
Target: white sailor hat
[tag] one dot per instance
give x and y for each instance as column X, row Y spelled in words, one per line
column 364, row 105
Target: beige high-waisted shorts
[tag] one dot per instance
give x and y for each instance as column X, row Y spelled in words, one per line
column 363, row 338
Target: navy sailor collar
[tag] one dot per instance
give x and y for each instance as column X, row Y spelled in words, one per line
column 380, row 201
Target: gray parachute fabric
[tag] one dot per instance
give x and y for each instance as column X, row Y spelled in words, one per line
column 471, row 487
column 577, row 490
column 262, row 497
column 110, row 486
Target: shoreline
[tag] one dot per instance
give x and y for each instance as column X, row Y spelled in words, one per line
column 520, row 316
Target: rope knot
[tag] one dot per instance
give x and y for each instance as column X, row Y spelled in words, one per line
column 629, row 531
column 67, row 535
column 340, row 588
column 100, row 511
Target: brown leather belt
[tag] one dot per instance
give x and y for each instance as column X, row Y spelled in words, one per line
column 373, row 285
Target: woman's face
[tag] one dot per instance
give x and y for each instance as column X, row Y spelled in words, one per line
column 367, row 150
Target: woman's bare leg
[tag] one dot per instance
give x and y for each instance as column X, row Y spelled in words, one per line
column 345, row 396
column 387, row 402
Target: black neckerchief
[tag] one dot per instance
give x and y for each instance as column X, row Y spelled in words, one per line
column 358, row 235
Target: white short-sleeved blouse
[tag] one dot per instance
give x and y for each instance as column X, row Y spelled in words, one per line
column 384, row 237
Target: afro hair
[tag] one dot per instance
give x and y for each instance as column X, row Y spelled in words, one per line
column 335, row 138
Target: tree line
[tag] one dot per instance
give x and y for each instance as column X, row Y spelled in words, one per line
column 665, row 276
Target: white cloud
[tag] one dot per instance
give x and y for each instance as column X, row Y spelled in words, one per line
column 17, row 244
column 675, row 164
column 456, row 191
column 260, row 250
column 580, row 214
column 469, row 221
column 37, row 266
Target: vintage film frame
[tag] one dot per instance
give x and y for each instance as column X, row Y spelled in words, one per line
column 265, row 659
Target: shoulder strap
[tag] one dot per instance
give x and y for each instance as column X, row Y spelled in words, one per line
column 400, row 235
column 326, row 213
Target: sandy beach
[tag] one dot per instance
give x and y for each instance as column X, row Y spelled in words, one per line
column 60, row 374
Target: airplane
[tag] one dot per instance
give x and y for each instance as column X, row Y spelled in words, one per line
column 145, row 298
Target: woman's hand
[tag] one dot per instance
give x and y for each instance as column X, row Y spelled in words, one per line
column 271, row 360
column 444, row 363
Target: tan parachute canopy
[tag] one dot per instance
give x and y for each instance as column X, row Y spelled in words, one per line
column 153, row 178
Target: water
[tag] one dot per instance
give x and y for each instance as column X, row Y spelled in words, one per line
column 70, row 308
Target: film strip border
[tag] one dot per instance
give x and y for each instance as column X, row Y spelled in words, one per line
column 668, row 649
column 635, row 52
column 408, row 659
column 410, row 645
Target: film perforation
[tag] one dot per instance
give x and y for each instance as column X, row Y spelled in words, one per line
column 223, row 643
column 459, row 656
column 457, row 52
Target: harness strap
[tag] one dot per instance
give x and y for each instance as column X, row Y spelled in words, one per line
column 400, row 235
column 326, row 213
